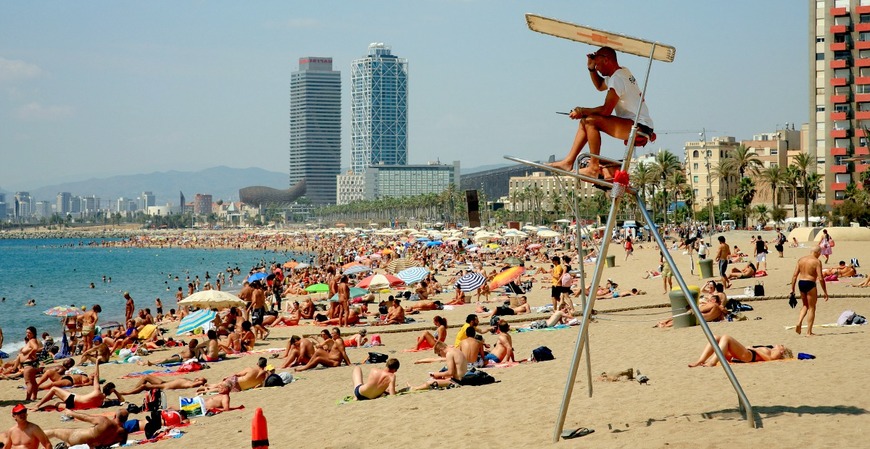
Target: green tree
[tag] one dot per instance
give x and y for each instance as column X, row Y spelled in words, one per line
column 665, row 164
column 744, row 160
column 773, row 177
column 803, row 164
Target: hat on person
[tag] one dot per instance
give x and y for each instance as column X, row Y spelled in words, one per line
column 98, row 339
column 18, row 409
column 270, row 367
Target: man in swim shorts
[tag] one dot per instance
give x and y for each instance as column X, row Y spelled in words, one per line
column 723, row 255
column 380, row 381
column 104, row 433
column 457, row 366
column 244, row 380
column 807, row 271
column 93, row 399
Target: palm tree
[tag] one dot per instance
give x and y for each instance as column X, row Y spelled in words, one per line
column 814, row 186
column 744, row 159
column 762, row 212
column 745, row 193
column 725, row 170
column 803, row 162
column 773, row 177
column 665, row 164
column 793, row 181
column 643, row 176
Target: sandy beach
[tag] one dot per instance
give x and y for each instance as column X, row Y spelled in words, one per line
column 807, row 403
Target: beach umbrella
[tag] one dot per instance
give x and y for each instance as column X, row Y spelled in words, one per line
column 513, row 261
column 563, row 220
column 64, row 311
column 110, row 325
column 291, row 264
column 412, row 275
column 506, row 277
column 471, row 282
column 317, row 288
column 257, row 277
column 379, row 282
column 355, row 292
column 351, row 264
column 547, row 234
column 212, row 299
column 195, row 320
column 302, row 266
column 356, row 269
column 534, row 246
column 398, row 265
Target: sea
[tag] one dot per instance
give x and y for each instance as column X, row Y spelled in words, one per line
column 59, row 272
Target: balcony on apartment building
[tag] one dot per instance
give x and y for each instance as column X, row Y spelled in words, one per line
column 840, row 29
column 844, row 98
column 840, row 168
column 837, row 82
column 862, row 115
column 862, row 151
column 862, row 10
column 839, row 12
column 862, row 80
column 862, row 45
column 861, row 168
column 842, row 115
column 840, row 133
column 842, row 63
column 862, row 62
column 839, row 151
column 838, row 186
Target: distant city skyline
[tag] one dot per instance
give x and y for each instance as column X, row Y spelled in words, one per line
column 85, row 97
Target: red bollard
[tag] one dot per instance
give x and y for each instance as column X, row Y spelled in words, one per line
column 259, row 430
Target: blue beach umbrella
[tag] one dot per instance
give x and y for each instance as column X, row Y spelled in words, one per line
column 413, row 274
column 257, row 276
column 471, row 282
column 195, row 320
column 435, row 243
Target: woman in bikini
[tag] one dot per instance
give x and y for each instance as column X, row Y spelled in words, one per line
column 28, row 358
column 427, row 340
column 736, row 352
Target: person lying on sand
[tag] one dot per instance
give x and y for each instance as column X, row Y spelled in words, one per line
column 187, row 353
column 841, row 271
column 70, row 400
column 746, row 273
column 736, row 352
column 151, row 382
column 424, row 305
column 357, row 340
column 521, row 308
column 380, row 381
column 56, row 376
column 245, row 379
column 104, row 431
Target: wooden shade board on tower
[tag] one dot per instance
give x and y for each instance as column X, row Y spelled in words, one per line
column 598, row 38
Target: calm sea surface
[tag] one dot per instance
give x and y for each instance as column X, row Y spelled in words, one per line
column 59, row 272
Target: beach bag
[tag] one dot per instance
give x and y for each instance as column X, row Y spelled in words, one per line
column 154, row 400
column 831, row 243
column 192, row 407
column 846, row 318
column 759, row 289
column 153, row 425
column 566, row 280
column 377, row 357
column 542, row 354
column 274, row 380
column 477, row 378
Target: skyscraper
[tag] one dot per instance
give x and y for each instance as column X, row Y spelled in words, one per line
column 315, row 128
column 379, row 109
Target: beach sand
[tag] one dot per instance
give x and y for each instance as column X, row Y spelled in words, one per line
column 807, row 403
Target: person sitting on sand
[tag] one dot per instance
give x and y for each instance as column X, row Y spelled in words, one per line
column 746, row 273
column 104, row 432
column 457, row 366
column 210, row 350
column 331, row 358
column 299, row 351
column 427, row 340
column 70, row 400
column 424, row 305
column 240, row 341
column 736, row 352
column 357, row 340
column 473, row 347
column 712, row 308
column 794, row 243
column 503, row 351
column 352, row 319
column 245, row 379
column 306, row 310
column 396, row 314
column 737, row 255
column 562, row 316
column 149, row 382
column 291, row 319
column 380, row 381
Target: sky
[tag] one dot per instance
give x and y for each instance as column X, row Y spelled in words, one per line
column 102, row 88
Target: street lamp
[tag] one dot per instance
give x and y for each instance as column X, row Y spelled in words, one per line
column 703, row 136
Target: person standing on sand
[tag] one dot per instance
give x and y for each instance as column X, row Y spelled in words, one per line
column 343, row 290
column 24, row 434
column 723, row 255
column 556, row 286
column 89, row 323
column 129, row 308
column 808, row 269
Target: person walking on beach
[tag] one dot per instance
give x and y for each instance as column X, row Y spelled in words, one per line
column 761, row 253
column 24, row 434
column 723, row 255
column 129, row 308
column 615, row 117
column 343, row 290
column 779, row 242
column 556, row 286
column 826, row 244
column 807, row 271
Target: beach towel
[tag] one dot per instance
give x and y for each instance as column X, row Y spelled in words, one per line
column 760, row 274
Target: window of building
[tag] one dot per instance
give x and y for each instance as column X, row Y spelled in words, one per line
column 820, row 56
column 843, row 177
column 695, row 179
column 820, row 108
column 695, row 166
column 774, row 151
column 695, row 153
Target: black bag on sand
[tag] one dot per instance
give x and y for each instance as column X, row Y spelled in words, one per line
column 377, row 357
column 759, row 289
column 477, row 377
column 542, row 354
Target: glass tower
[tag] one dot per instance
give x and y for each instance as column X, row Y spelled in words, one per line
column 379, row 109
column 315, row 128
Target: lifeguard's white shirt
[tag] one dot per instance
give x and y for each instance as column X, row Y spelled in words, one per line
column 623, row 83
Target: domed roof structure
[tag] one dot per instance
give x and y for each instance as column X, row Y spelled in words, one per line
column 261, row 195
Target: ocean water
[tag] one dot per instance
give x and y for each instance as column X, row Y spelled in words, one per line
column 57, row 272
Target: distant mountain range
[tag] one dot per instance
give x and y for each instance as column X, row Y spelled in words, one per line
column 222, row 183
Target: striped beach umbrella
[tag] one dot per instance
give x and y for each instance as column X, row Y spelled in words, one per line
column 64, row 311
column 195, row 320
column 413, row 274
column 398, row 265
column 360, row 268
column 471, row 282
column 380, row 282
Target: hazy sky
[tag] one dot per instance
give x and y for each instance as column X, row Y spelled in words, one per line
column 98, row 88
